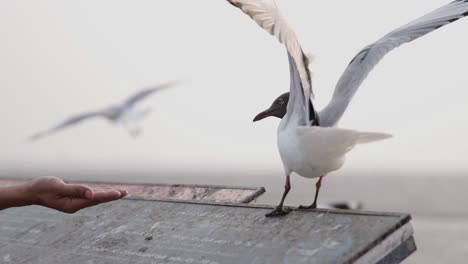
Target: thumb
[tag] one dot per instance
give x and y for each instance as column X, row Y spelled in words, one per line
column 77, row 191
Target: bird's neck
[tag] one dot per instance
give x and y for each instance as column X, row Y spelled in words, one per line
column 292, row 119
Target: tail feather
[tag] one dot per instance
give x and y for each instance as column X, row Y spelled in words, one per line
column 368, row 137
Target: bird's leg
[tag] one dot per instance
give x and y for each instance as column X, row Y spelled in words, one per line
column 136, row 131
column 317, row 186
column 314, row 204
column 133, row 129
column 279, row 210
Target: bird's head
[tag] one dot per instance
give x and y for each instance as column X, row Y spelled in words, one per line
column 277, row 109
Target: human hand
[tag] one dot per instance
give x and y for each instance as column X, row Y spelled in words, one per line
column 54, row 193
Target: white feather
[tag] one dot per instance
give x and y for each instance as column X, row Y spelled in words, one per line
column 316, row 151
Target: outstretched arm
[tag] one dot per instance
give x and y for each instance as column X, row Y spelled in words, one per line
column 54, row 193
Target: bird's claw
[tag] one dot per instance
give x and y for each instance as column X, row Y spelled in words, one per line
column 279, row 211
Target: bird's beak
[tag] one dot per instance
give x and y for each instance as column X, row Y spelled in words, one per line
column 269, row 112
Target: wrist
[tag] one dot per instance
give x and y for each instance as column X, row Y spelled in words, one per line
column 23, row 194
column 16, row 195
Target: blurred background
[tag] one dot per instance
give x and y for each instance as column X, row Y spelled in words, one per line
column 59, row 58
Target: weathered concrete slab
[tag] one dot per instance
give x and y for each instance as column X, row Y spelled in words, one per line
column 142, row 231
column 182, row 192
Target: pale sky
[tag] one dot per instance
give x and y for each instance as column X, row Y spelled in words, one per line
column 59, row 58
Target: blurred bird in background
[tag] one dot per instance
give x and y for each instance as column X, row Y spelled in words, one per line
column 123, row 114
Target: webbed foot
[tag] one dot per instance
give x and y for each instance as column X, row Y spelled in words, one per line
column 279, row 211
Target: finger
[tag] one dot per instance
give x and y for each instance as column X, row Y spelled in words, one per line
column 77, row 204
column 107, row 196
column 123, row 193
column 76, row 190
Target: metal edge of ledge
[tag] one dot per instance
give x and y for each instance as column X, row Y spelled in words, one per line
column 387, row 244
column 402, row 252
column 404, row 217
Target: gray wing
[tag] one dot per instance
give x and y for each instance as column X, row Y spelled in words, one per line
column 65, row 123
column 267, row 15
column 298, row 102
column 367, row 58
column 142, row 94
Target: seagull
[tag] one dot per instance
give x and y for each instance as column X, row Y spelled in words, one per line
column 278, row 109
column 314, row 151
column 123, row 113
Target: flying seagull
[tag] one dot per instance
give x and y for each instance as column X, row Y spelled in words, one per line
column 315, row 151
column 123, row 113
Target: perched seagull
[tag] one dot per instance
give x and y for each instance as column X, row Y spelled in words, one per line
column 278, row 109
column 314, row 151
column 123, row 114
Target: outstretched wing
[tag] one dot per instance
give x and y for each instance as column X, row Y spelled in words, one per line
column 64, row 124
column 267, row 15
column 142, row 94
column 367, row 58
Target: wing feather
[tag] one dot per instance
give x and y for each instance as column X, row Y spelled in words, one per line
column 142, row 94
column 267, row 15
column 361, row 65
column 74, row 120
